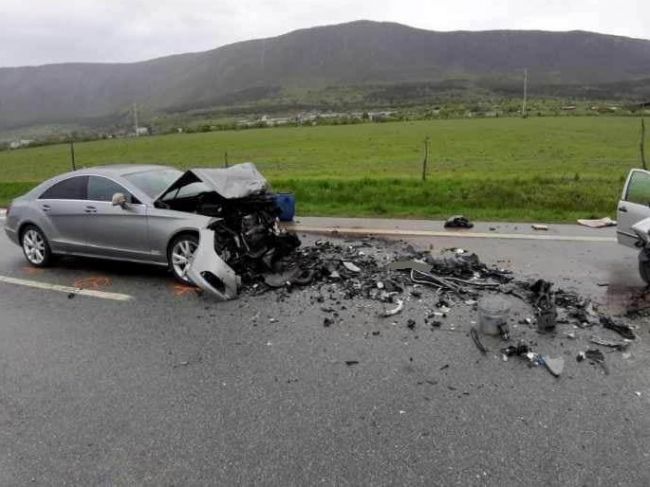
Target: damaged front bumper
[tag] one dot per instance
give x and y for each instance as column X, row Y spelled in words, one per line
column 210, row 272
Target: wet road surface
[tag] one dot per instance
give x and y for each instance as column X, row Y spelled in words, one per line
column 172, row 388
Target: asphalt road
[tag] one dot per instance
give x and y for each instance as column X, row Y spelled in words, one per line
column 172, row 388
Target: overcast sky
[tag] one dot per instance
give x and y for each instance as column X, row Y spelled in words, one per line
column 47, row 31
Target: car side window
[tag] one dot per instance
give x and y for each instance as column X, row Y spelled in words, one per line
column 73, row 188
column 638, row 189
column 103, row 189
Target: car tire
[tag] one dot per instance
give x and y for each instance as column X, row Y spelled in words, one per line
column 35, row 246
column 181, row 249
column 644, row 266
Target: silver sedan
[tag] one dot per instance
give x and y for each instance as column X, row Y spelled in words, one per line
column 113, row 212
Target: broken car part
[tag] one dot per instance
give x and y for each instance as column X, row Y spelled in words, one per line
column 493, row 315
column 477, row 341
column 210, row 272
column 458, row 221
column 395, row 310
column 624, row 330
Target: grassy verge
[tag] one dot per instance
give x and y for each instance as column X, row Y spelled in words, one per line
column 541, row 168
column 538, row 198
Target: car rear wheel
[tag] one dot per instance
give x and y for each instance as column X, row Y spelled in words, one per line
column 36, row 247
column 181, row 251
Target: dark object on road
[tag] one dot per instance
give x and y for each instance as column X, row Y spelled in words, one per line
column 519, row 350
column 544, row 303
column 624, row 330
column 477, row 341
column 294, row 276
column 327, row 322
column 410, row 324
column 458, row 221
column 594, row 356
column 349, row 363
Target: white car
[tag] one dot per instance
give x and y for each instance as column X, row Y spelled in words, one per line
column 633, row 215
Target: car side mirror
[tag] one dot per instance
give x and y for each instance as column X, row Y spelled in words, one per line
column 119, row 200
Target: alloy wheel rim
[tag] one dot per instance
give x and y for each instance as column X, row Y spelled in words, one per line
column 34, row 246
column 181, row 257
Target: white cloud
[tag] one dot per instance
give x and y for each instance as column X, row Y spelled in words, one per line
column 43, row 31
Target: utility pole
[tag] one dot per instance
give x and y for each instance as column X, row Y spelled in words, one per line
column 135, row 119
column 523, row 107
column 426, row 159
column 72, row 158
column 642, row 144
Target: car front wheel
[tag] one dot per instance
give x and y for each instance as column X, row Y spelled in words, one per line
column 35, row 246
column 181, row 251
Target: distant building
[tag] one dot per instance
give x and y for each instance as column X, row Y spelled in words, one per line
column 142, row 131
column 17, row 144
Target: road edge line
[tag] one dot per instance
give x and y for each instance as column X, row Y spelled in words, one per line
column 66, row 289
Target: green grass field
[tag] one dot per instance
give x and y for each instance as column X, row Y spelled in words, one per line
column 552, row 169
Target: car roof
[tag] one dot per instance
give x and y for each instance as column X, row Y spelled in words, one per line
column 119, row 169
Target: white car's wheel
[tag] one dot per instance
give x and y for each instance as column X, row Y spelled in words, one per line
column 180, row 255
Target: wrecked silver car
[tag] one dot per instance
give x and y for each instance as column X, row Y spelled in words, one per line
column 212, row 227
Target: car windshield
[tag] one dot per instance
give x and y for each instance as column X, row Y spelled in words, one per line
column 154, row 181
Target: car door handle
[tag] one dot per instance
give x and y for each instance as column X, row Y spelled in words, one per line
column 45, row 208
column 623, row 209
column 90, row 209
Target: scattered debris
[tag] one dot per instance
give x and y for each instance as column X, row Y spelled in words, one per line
column 544, row 303
column 458, row 221
column 624, row 330
column 350, row 363
column 351, row 267
column 600, row 223
column 392, row 312
column 595, row 356
column 554, row 365
column 538, row 226
column 620, row 346
column 493, row 315
column 477, row 341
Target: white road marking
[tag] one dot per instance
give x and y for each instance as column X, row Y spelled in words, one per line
column 450, row 234
column 66, row 289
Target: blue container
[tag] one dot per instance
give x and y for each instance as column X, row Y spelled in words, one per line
column 287, row 204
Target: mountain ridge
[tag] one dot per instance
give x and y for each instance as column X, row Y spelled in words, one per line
column 351, row 54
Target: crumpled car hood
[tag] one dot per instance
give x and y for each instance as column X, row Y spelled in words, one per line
column 238, row 181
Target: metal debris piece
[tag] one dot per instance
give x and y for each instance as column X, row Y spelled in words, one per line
column 545, row 307
column 554, row 365
column 392, row 312
column 624, row 330
column 351, row 267
column 408, row 265
column 539, row 226
column 477, row 341
column 620, row 346
column 493, row 315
